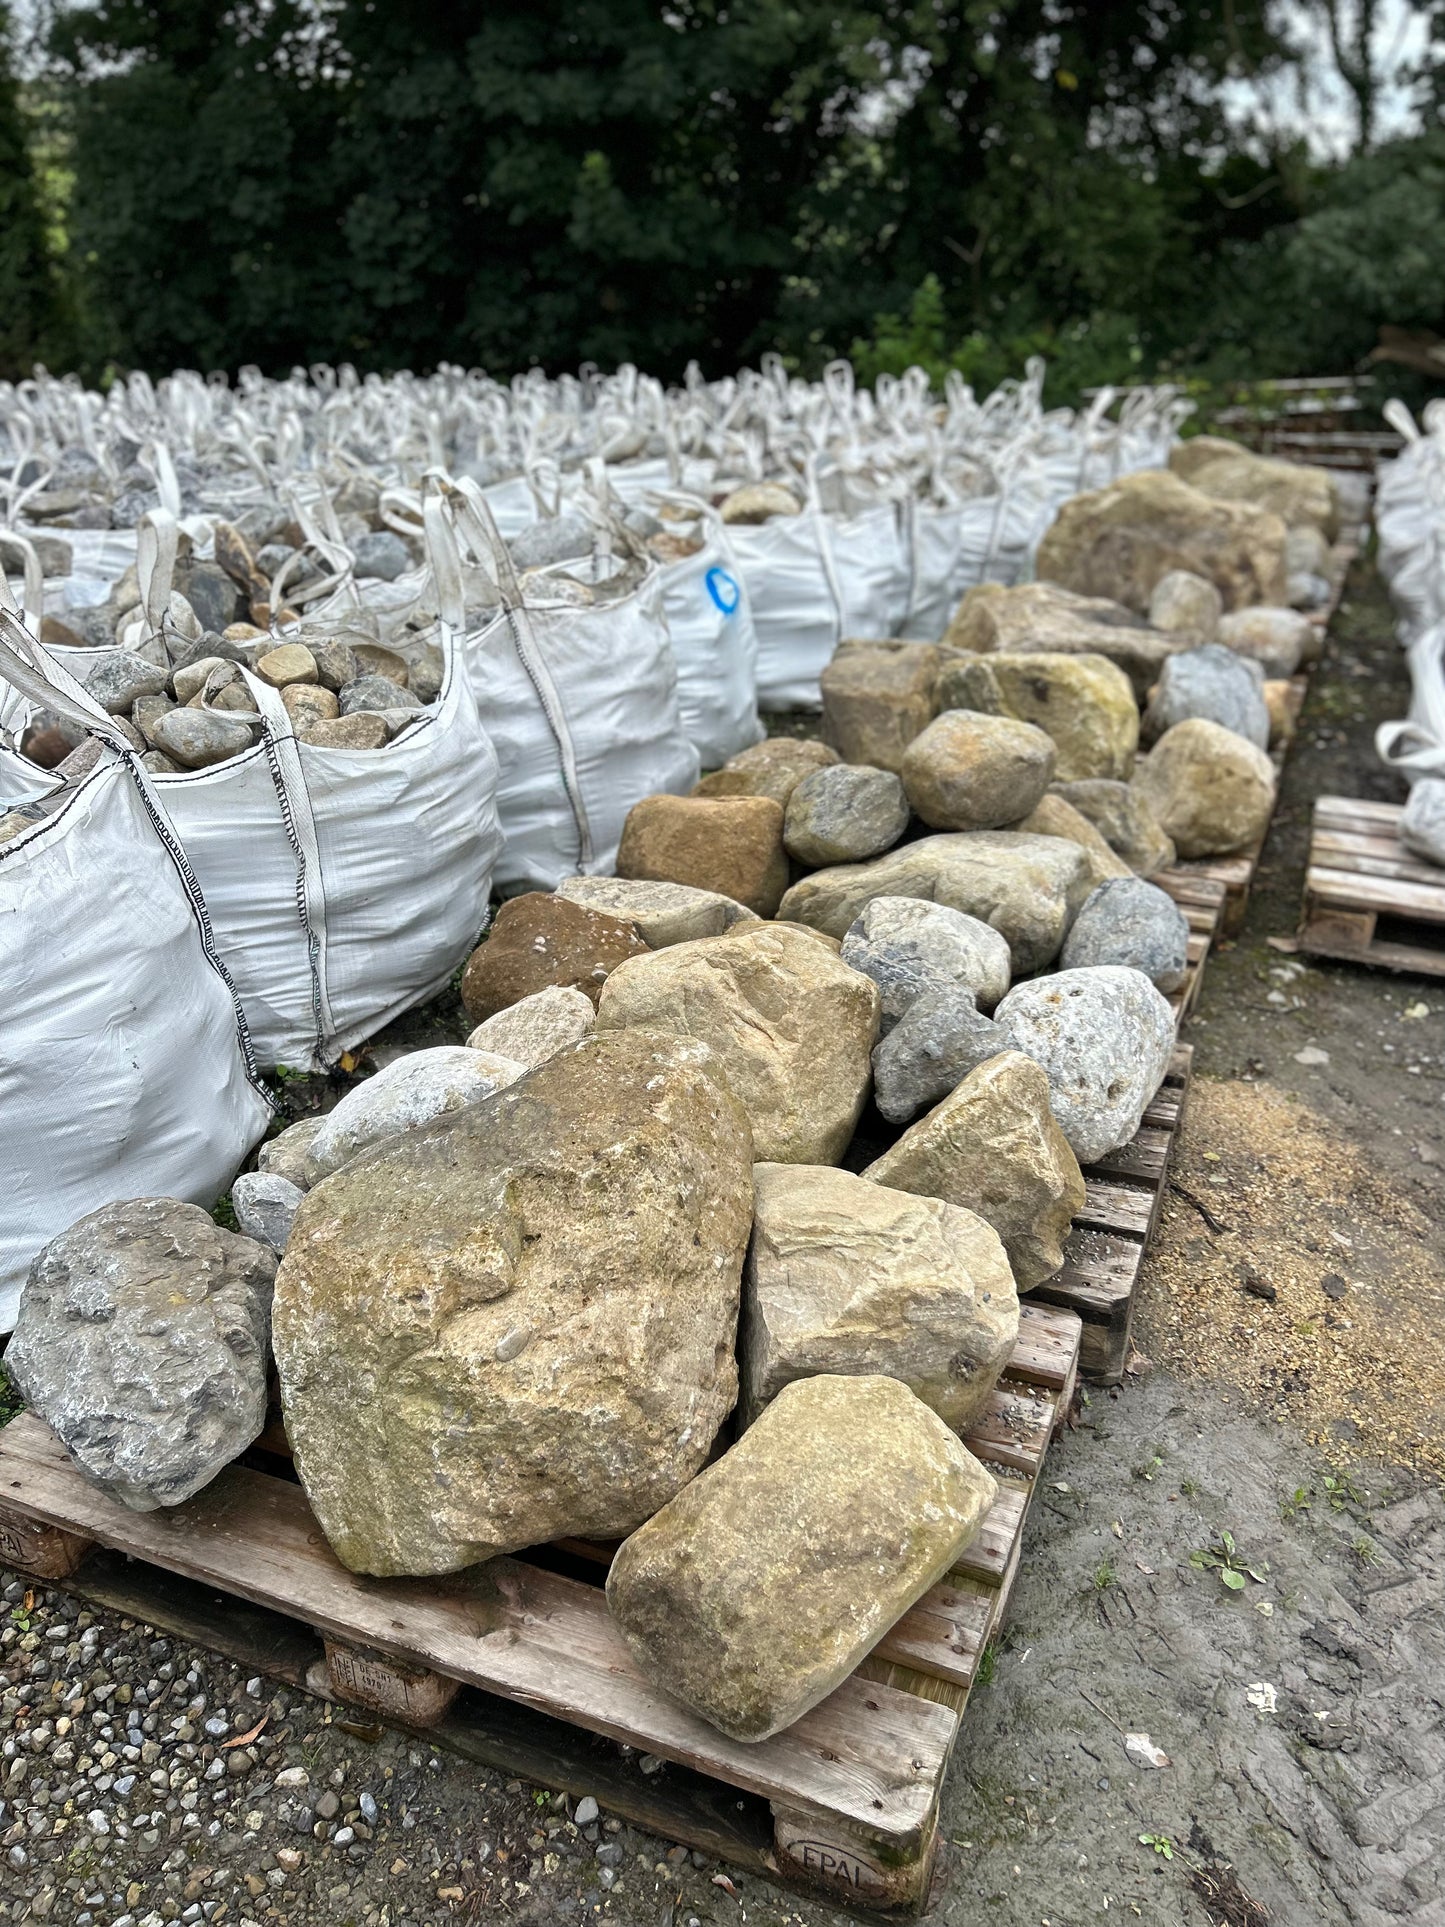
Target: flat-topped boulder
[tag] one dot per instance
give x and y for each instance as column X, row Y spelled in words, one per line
column 1027, row 887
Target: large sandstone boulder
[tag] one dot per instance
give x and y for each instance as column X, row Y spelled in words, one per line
column 1300, row 494
column 877, row 696
column 845, row 1276
column 759, row 1588
column 1120, row 540
column 1027, row 887
column 1040, row 618
column 791, row 1027
column 730, row 845
column 1104, row 1035
column 773, row 768
column 1084, row 704
column 1124, row 820
column 517, row 1323
column 969, row 771
column 664, row 913
column 537, row 940
column 141, row 1340
column 1211, row 791
column 994, row 1146
column 909, row 947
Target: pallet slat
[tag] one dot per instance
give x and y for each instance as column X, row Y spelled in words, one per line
column 515, row 1630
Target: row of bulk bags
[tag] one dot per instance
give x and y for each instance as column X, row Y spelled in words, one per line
column 128, row 1069
column 343, row 885
column 580, row 702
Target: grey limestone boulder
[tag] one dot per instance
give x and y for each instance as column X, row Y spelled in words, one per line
column 1215, row 684
column 908, row 946
column 142, row 1340
column 938, row 1040
column 418, row 1088
column 1129, row 921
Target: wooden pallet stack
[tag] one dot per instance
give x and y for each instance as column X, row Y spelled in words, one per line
column 845, row 1802
column 1367, row 899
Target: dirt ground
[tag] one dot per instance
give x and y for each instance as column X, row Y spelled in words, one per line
column 1285, row 1425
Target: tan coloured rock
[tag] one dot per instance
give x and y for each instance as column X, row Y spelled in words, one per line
column 307, row 703
column 292, row 662
column 468, row 1320
column 665, row 913
column 994, row 1147
column 772, row 768
column 846, row 1276
column 538, row 1027
column 1028, row 887
column 757, row 502
column 1040, row 618
column 791, row 1026
column 969, row 771
column 760, row 1587
column 1125, row 821
column 536, row 940
column 1122, row 539
column 730, row 845
column 364, row 730
column 1300, row 494
column 1187, row 603
column 1084, row 704
column 877, row 696
column 1052, row 816
column 1212, row 792
column 1279, row 700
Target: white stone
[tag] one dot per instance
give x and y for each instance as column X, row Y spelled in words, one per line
column 537, row 1027
column 416, row 1089
column 1104, row 1036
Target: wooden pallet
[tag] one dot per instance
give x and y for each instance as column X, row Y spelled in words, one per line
column 1202, row 901
column 1367, row 899
column 844, row 1803
column 1104, row 1252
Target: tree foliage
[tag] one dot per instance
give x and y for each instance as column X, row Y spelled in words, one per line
column 28, row 295
column 499, row 183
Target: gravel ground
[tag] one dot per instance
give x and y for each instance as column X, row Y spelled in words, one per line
column 1306, row 1783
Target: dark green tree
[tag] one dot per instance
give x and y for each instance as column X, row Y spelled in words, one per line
column 28, row 294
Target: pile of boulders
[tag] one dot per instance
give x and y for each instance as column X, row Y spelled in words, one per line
column 710, row 1238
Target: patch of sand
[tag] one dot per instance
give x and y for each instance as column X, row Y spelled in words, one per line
column 1353, row 1347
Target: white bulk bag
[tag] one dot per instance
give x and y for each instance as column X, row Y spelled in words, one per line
column 344, row 885
column 788, row 570
column 125, row 1070
column 1416, row 747
column 710, row 624
column 581, row 705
